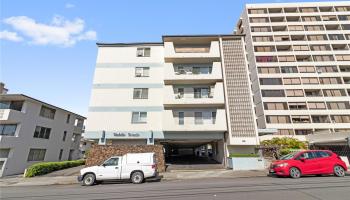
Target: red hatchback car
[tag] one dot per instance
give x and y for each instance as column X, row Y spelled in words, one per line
column 312, row 162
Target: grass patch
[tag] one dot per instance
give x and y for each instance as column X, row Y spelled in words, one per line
column 48, row 167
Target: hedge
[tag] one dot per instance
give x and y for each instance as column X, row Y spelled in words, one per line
column 47, row 167
column 236, row 155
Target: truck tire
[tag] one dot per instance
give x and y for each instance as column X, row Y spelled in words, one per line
column 89, row 179
column 137, row 177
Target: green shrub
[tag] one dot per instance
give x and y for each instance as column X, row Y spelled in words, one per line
column 47, row 167
column 237, row 155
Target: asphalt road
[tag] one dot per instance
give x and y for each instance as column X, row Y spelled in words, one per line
column 261, row 188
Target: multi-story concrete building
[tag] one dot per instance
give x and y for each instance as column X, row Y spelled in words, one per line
column 187, row 93
column 33, row 131
column 299, row 62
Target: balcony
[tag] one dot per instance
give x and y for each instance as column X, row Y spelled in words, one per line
column 189, row 74
column 171, row 121
column 212, row 95
column 10, row 115
column 208, row 51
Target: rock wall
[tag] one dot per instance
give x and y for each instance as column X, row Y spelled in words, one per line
column 99, row 153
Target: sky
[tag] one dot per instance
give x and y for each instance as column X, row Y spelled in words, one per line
column 48, row 48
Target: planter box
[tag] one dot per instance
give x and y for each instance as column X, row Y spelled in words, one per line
column 248, row 163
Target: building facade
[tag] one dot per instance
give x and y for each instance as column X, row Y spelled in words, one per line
column 33, row 131
column 183, row 93
column 299, row 63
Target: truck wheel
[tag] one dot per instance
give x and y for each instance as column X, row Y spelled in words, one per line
column 137, row 177
column 89, row 179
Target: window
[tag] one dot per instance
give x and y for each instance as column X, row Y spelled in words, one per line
column 314, row 28
column 316, row 37
column 268, row 70
column 4, row 153
column 111, row 162
column 300, row 48
column 316, row 105
column 342, row 8
column 42, row 132
column 320, row 119
column 313, row 93
column 261, row 29
column 270, row 81
column 295, row 28
column 329, row 18
column 306, row 155
column 343, row 57
column 8, row 129
column 285, row 132
column 330, row 80
column 274, row 106
column 300, row 119
column 272, row 93
column 64, row 136
column 201, row 92
column 325, row 69
column 140, row 93
column 344, row 17
column 262, row 38
column 36, row 155
column 294, row 93
column 303, row 132
column 309, row 80
column 279, row 38
column 278, row 119
column 68, row 119
column 297, row 106
column 338, row 105
column 323, row 58
column 60, row 155
column 213, row 117
column 264, row 48
column 289, row 69
column 266, row 59
column 291, row 81
column 257, row 11
column 311, row 18
column 286, row 58
column 320, row 47
column 322, row 154
column 198, row 118
column 258, row 19
column 181, row 118
column 139, row 117
column 47, row 112
column 13, row 105
column 306, row 69
column 308, row 10
column 345, row 26
column 180, row 93
column 336, row 37
column 142, row 71
column 340, row 118
column 143, row 52
column 334, row 93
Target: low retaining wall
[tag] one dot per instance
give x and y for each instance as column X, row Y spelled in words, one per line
column 100, row 153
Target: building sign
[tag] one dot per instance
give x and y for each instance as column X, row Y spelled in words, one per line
column 120, row 134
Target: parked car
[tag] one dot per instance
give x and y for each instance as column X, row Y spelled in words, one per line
column 135, row 167
column 312, row 162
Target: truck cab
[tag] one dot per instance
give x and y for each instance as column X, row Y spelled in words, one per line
column 135, row 167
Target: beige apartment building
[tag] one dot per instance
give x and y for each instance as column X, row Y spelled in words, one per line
column 299, row 63
column 285, row 71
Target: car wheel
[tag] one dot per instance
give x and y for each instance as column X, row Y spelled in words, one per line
column 137, row 177
column 294, row 172
column 89, row 179
column 339, row 171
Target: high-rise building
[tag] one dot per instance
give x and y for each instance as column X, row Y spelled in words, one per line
column 299, row 63
column 189, row 93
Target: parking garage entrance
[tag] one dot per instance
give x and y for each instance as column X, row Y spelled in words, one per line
column 193, row 154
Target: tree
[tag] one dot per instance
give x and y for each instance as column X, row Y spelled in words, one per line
column 285, row 145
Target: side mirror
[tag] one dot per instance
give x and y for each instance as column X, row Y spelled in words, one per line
column 104, row 165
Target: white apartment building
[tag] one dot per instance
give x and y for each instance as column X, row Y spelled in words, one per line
column 32, row 131
column 299, row 62
column 186, row 93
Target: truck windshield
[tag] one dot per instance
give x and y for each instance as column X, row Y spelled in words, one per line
column 288, row 156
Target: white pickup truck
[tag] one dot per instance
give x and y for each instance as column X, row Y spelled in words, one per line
column 132, row 166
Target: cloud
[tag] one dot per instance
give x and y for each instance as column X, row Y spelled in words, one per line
column 69, row 5
column 12, row 36
column 59, row 31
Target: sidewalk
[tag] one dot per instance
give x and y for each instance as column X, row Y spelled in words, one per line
column 167, row 176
